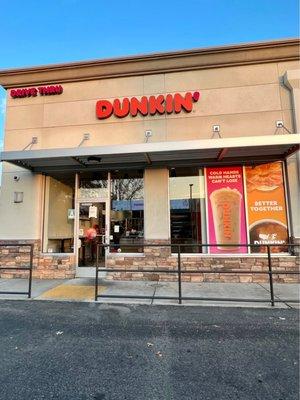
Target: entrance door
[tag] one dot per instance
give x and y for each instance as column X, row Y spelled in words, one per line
column 92, row 230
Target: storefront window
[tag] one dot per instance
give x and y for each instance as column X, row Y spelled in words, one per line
column 59, row 214
column 92, row 185
column 246, row 205
column 187, row 208
column 226, row 218
column 127, row 211
column 266, row 204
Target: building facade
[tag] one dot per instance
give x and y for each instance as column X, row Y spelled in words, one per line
column 185, row 148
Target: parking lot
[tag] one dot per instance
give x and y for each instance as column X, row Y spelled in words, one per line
column 72, row 350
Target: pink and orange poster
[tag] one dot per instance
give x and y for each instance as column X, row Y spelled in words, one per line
column 267, row 216
column 226, row 209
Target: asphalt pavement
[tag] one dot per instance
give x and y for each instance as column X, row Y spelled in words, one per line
column 90, row 351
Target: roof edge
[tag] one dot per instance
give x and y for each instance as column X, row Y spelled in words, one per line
column 145, row 64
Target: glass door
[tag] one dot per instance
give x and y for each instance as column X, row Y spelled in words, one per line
column 92, row 230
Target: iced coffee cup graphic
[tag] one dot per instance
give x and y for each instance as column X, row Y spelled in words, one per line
column 226, row 209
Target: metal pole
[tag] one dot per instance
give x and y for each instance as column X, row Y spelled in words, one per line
column 179, row 277
column 96, row 277
column 270, row 276
column 30, row 271
column 191, row 210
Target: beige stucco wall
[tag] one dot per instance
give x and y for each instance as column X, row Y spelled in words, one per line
column 20, row 220
column 292, row 82
column 294, row 192
column 243, row 100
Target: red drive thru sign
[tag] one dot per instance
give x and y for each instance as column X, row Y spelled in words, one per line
column 161, row 104
column 34, row 91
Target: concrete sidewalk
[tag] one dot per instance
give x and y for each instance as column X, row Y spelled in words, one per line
column 82, row 289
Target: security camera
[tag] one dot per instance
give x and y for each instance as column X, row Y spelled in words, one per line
column 16, row 178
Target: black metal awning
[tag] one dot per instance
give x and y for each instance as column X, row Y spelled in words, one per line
column 228, row 151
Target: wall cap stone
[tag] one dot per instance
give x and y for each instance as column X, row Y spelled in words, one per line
column 195, row 59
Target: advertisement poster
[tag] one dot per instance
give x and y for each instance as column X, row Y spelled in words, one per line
column 225, row 209
column 267, row 219
column 93, row 211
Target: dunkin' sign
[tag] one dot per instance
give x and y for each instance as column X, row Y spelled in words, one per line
column 161, row 104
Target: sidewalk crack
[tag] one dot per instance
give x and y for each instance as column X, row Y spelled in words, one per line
column 153, row 295
column 275, row 296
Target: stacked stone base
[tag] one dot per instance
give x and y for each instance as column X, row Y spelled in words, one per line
column 62, row 266
column 161, row 259
column 45, row 266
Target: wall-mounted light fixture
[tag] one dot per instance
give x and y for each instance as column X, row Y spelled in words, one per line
column 18, row 197
column 280, row 125
column 94, row 158
column 34, row 140
column 86, row 136
column 216, row 130
column 148, row 134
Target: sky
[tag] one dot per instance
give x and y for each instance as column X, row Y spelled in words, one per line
column 52, row 31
